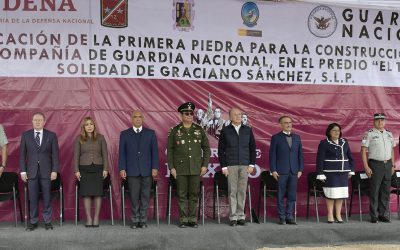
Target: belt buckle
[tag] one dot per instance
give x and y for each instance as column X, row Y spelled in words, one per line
column 385, row 162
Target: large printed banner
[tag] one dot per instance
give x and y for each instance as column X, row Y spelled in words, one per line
column 218, row 40
column 105, row 58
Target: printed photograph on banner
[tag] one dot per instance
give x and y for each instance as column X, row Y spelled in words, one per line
column 114, row 13
column 250, row 14
column 322, row 21
column 212, row 120
column 183, row 15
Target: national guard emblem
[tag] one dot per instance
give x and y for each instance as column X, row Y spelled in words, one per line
column 114, row 13
column 250, row 14
column 183, row 15
column 322, row 21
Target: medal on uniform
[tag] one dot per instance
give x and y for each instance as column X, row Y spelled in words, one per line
column 183, row 142
column 195, row 141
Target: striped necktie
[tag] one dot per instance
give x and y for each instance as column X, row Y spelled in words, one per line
column 37, row 139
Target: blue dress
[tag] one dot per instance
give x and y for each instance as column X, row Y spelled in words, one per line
column 334, row 163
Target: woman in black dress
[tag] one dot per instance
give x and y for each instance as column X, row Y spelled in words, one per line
column 91, row 167
column 334, row 166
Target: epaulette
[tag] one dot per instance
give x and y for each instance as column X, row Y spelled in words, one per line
column 371, row 130
column 388, row 130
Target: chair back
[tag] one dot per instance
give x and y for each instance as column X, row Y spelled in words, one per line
column 313, row 182
column 221, row 180
column 395, row 183
column 359, row 179
column 124, row 183
column 106, row 182
column 56, row 184
column 172, row 182
column 7, row 181
column 269, row 181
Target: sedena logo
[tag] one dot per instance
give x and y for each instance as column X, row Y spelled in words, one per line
column 39, row 5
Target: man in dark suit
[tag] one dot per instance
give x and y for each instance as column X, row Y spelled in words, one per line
column 286, row 164
column 39, row 164
column 237, row 156
column 138, row 163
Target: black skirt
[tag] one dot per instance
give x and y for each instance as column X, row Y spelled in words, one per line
column 91, row 183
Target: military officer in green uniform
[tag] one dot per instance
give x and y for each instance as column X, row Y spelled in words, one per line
column 379, row 166
column 188, row 155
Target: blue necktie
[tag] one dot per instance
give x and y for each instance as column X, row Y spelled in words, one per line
column 37, row 140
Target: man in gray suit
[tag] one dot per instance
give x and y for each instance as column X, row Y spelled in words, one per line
column 39, row 164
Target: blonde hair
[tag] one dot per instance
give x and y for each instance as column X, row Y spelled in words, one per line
column 84, row 135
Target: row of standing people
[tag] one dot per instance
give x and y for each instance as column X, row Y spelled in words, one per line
column 188, row 155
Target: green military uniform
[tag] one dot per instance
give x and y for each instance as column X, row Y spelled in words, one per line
column 188, row 150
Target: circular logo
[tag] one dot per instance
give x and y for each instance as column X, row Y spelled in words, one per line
column 250, row 14
column 322, row 21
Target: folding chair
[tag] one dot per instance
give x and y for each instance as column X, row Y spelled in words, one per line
column 107, row 191
column 395, row 189
column 315, row 188
column 269, row 188
column 9, row 191
column 221, row 189
column 360, row 186
column 172, row 190
column 56, row 192
column 154, row 193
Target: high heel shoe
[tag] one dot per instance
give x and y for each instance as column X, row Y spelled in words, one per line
column 330, row 222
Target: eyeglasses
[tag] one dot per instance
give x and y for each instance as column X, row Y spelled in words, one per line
column 188, row 113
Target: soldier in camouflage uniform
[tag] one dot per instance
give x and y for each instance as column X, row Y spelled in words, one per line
column 188, row 155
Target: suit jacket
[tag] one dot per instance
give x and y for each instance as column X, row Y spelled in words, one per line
column 236, row 149
column 45, row 159
column 138, row 152
column 284, row 159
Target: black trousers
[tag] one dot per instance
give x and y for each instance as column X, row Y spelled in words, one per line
column 379, row 187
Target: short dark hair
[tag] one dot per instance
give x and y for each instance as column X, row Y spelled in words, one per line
column 284, row 116
column 39, row 113
column 330, row 127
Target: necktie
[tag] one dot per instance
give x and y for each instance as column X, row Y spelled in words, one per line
column 37, row 139
column 137, row 130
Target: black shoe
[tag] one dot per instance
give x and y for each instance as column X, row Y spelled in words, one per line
column 282, row 221
column 48, row 226
column 97, row 225
column 142, row 225
column 374, row 220
column 339, row 221
column 233, row 223
column 242, row 223
column 182, row 225
column 383, row 218
column 291, row 222
column 330, row 222
column 193, row 224
column 32, row 227
column 134, row 225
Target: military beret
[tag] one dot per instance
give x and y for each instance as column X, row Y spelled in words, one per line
column 379, row 116
column 187, row 106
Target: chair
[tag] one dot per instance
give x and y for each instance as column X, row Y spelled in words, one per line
column 395, row 189
column 172, row 189
column 221, row 189
column 9, row 191
column 315, row 188
column 107, row 191
column 360, row 186
column 269, row 188
column 154, row 192
column 56, row 192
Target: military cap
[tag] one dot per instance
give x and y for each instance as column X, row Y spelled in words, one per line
column 379, row 116
column 187, row 106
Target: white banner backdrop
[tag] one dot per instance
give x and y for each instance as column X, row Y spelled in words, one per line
column 214, row 40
